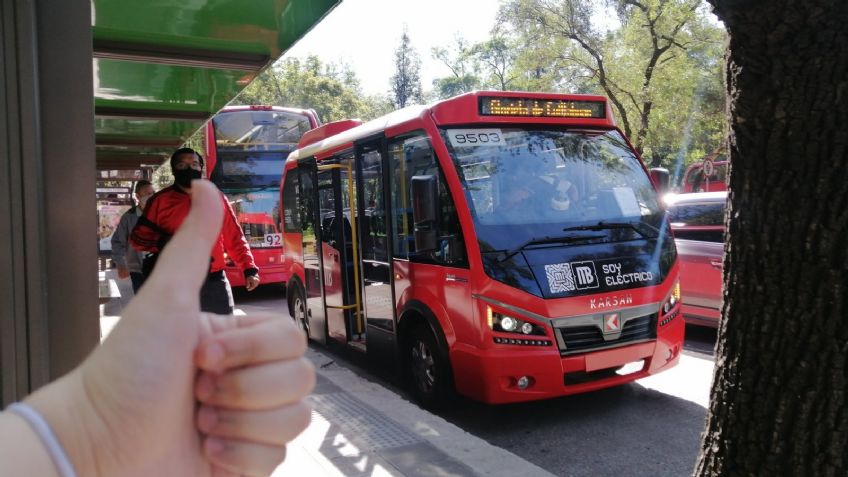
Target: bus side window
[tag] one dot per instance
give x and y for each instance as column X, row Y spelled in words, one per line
column 291, row 222
column 413, row 156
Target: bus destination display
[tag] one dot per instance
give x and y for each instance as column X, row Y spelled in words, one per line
column 550, row 108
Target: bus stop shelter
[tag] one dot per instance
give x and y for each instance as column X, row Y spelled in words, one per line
column 92, row 85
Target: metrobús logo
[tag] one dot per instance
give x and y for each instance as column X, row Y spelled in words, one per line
column 573, row 276
column 613, row 275
column 566, row 277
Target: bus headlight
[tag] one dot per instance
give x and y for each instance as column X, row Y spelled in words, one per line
column 673, row 298
column 671, row 306
column 509, row 324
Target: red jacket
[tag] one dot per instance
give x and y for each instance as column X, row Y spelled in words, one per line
column 165, row 212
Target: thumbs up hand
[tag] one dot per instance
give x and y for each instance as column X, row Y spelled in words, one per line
column 173, row 391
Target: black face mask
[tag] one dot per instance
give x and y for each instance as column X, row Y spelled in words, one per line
column 183, row 177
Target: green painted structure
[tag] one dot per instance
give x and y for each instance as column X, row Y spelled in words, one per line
column 163, row 68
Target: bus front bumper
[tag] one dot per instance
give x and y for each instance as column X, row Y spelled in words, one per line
column 492, row 375
column 267, row 275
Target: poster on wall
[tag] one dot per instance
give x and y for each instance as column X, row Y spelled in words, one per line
column 108, row 217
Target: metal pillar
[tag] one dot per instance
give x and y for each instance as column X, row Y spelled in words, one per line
column 48, row 255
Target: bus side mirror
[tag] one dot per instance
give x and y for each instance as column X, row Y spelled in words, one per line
column 660, row 177
column 424, row 207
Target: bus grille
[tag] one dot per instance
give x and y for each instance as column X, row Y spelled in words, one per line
column 579, row 339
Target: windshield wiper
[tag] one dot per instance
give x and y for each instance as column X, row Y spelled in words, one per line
column 639, row 227
column 544, row 240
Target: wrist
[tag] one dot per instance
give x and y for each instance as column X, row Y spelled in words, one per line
column 65, row 407
column 21, row 450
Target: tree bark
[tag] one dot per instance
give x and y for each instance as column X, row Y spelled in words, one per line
column 778, row 403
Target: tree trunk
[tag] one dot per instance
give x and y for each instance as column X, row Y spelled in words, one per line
column 778, row 403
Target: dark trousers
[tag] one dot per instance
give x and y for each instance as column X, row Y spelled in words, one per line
column 216, row 296
column 137, row 279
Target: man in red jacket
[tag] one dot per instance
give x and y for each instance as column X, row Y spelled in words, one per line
column 166, row 211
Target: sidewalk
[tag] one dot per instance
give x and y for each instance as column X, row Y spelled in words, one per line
column 360, row 428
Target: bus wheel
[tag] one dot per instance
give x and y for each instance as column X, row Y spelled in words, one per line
column 298, row 308
column 431, row 379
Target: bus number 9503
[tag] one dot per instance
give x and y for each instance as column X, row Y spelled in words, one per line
column 476, row 137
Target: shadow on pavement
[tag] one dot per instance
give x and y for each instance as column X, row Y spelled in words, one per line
column 628, row 430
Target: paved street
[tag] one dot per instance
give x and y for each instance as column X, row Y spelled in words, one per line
column 649, row 428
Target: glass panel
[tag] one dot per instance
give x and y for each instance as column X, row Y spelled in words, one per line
column 526, row 183
column 258, row 212
column 376, row 272
column 259, row 130
column 696, row 214
column 248, row 169
column 374, row 234
column 408, row 157
column 290, row 203
column 307, row 218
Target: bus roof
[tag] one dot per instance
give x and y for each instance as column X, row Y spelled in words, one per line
column 475, row 107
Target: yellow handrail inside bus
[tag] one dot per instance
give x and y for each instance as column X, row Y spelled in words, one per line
column 354, row 239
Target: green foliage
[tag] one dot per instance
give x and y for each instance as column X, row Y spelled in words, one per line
column 659, row 62
column 406, row 82
column 464, row 66
column 332, row 90
column 497, row 55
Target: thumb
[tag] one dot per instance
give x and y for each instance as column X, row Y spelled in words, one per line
column 184, row 263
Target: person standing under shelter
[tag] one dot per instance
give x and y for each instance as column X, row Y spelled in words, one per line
column 164, row 214
column 127, row 259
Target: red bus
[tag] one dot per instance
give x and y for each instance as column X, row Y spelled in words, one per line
column 246, row 148
column 705, row 176
column 508, row 246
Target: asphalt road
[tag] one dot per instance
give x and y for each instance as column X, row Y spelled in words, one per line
column 648, row 428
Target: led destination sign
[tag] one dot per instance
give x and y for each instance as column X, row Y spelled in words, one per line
column 544, row 108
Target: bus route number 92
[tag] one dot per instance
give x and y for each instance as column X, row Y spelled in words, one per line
column 476, row 137
column 272, row 240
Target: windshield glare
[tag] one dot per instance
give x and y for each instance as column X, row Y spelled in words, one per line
column 259, row 130
column 523, row 183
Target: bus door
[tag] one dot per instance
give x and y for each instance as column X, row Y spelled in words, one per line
column 339, row 249
column 315, row 317
column 378, row 302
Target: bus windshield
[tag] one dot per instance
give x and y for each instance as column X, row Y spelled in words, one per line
column 259, row 215
column 252, row 130
column 523, row 183
column 252, row 146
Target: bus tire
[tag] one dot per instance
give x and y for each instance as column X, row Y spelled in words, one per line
column 297, row 305
column 429, row 370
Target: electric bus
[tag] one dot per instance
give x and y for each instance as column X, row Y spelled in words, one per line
column 507, row 246
column 246, row 148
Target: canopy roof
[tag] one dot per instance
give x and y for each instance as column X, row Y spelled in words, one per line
column 162, row 68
